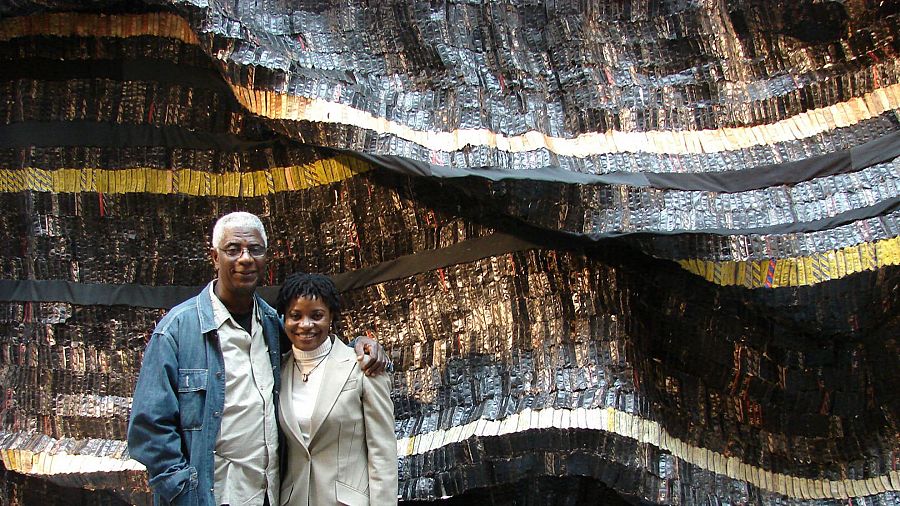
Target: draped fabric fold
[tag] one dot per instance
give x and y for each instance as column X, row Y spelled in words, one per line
column 628, row 252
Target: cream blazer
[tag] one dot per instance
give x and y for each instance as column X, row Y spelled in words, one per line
column 352, row 453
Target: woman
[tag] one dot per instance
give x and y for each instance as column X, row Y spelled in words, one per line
column 338, row 423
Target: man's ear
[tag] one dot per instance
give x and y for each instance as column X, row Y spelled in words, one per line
column 214, row 256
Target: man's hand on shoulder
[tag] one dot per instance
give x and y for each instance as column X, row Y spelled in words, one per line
column 370, row 355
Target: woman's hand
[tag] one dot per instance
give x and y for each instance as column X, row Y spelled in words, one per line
column 370, row 355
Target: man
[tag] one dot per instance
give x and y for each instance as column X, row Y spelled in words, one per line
column 203, row 419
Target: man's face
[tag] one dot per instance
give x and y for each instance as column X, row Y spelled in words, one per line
column 240, row 260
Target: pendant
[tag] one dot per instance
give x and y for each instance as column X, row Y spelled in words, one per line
column 305, row 376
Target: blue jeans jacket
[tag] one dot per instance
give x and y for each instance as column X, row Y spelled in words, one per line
column 179, row 398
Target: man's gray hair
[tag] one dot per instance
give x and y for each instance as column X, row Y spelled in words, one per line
column 238, row 219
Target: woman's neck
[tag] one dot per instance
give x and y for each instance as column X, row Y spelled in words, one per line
column 319, row 352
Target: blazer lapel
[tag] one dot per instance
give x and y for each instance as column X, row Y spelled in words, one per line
column 287, row 399
column 338, row 366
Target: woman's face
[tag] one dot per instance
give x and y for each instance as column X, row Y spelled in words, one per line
column 307, row 322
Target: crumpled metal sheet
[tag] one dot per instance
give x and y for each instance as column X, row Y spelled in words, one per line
column 578, row 361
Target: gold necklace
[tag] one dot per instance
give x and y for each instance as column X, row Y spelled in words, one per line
column 305, row 375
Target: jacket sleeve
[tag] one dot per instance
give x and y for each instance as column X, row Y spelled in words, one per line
column 153, row 436
column 378, row 411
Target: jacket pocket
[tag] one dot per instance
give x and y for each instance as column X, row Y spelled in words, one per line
column 349, row 385
column 349, row 495
column 192, row 397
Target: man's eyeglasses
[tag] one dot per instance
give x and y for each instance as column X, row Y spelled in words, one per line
column 235, row 252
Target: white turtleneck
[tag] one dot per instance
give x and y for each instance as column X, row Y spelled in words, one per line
column 305, row 392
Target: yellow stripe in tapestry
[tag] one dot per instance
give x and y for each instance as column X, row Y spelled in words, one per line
column 800, row 271
column 185, row 181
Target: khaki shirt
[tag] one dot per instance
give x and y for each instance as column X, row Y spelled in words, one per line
column 246, row 458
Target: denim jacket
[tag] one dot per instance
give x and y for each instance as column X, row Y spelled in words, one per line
column 179, row 398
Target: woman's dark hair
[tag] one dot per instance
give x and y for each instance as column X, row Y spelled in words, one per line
column 317, row 286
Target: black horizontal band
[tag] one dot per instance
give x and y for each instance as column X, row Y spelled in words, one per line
column 111, row 135
column 138, row 69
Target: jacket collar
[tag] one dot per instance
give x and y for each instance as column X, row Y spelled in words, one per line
column 338, row 366
column 207, row 316
column 205, row 309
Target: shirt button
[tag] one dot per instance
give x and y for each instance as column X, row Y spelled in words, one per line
column 219, row 374
column 216, row 414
